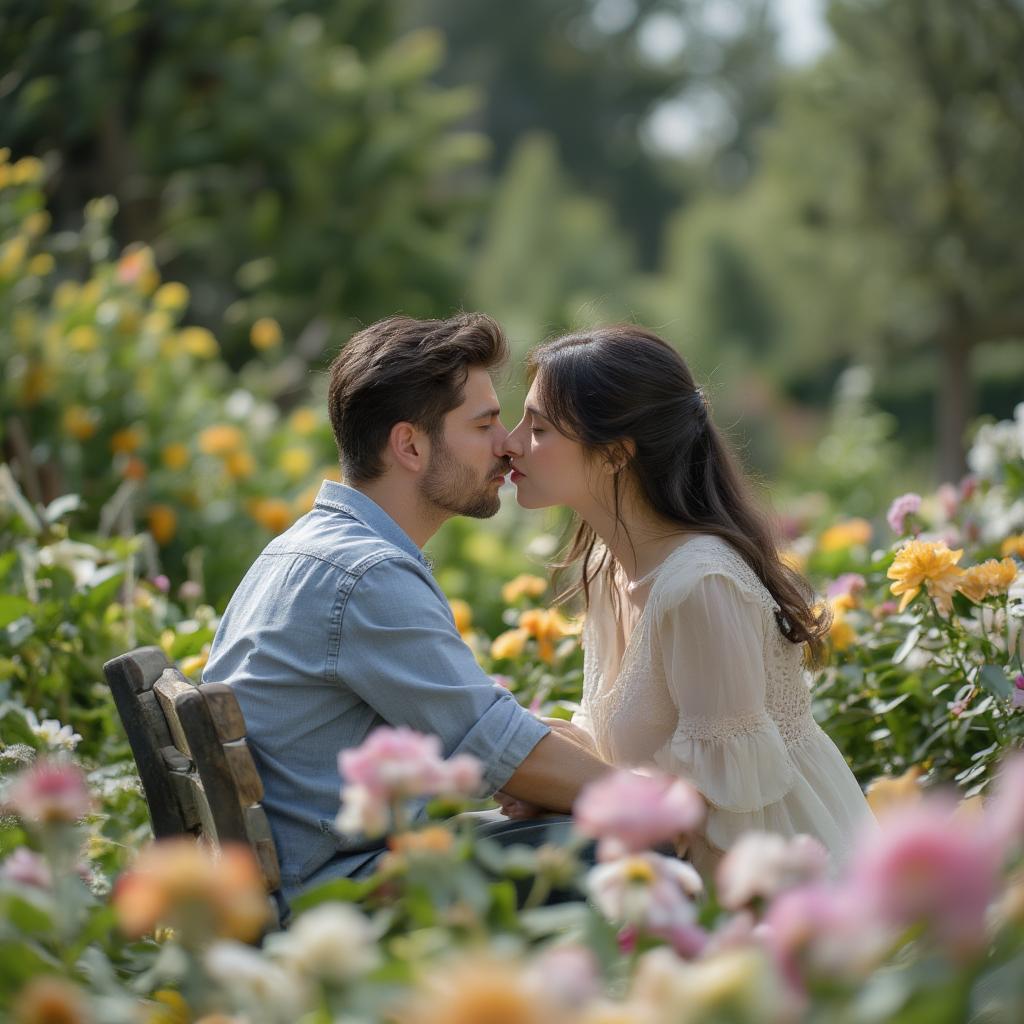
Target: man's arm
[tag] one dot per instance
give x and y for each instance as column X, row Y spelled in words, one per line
column 553, row 773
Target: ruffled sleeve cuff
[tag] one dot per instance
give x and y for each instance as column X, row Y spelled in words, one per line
column 740, row 764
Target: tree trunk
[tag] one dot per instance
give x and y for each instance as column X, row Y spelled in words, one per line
column 953, row 407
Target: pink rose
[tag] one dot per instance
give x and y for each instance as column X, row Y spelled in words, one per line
column 848, row 585
column 27, row 868
column 48, row 792
column 627, row 812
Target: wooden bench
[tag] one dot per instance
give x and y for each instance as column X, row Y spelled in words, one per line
column 189, row 745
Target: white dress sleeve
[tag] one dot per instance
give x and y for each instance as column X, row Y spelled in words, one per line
column 710, row 633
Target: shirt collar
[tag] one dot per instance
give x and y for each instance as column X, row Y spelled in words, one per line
column 339, row 497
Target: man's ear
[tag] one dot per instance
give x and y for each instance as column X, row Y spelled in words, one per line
column 408, row 447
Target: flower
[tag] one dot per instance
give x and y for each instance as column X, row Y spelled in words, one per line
column 50, row 1000
column 990, row 579
column 265, row 334
column 627, row 812
column 886, row 794
column 509, row 644
column 24, row 867
column 49, row 792
column 1013, row 545
column 849, row 585
column 272, row 991
column 54, row 735
column 930, row 564
column 221, row 439
column 196, row 891
column 546, row 625
column 295, row 462
column 840, row 633
column 81, row 423
column 847, row 534
column 1017, row 700
column 462, row 614
column 333, row 941
column 569, row 972
column 174, row 456
column 126, row 441
column 523, row 585
column 273, row 514
column 304, row 420
column 173, row 295
column 363, row 812
column 922, row 869
column 240, row 465
column 432, row 841
column 199, row 342
column 901, row 507
column 163, row 523
column 760, row 865
column 195, row 664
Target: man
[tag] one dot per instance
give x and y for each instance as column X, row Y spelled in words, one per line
column 339, row 626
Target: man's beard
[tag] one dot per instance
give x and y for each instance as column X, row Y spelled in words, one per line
column 454, row 487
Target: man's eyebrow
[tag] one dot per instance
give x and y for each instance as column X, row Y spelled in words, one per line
column 487, row 413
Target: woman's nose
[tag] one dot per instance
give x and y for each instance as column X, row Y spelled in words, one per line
column 513, row 446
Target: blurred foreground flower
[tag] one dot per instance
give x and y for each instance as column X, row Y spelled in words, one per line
column 49, row 792
column 333, row 942
column 928, row 564
column 26, row 868
column 199, row 893
column 646, row 890
column 886, row 794
column 761, row 865
column 628, row 813
column 50, row 1000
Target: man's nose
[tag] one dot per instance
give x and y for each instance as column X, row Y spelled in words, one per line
column 513, row 446
column 500, row 438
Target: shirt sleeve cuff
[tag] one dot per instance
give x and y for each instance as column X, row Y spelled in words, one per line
column 501, row 741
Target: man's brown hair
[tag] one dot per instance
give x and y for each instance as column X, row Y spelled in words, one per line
column 403, row 370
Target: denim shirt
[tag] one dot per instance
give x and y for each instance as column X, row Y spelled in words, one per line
column 338, row 628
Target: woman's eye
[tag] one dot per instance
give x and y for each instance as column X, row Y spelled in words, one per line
column 536, row 430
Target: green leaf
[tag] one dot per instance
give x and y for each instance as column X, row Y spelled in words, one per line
column 13, row 607
column 993, row 679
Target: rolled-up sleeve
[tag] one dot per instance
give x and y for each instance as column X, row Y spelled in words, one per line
column 400, row 652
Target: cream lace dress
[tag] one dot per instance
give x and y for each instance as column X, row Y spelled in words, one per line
column 698, row 681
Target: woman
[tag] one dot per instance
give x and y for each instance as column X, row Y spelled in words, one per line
column 696, row 632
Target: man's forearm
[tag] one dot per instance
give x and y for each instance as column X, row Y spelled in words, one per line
column 554, row 772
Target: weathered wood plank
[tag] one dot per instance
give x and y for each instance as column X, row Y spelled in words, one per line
column 258, row 831
column 169, row 689
column 224, row 710
column 243, row 770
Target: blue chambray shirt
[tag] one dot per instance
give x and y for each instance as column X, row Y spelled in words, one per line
column 337, row 628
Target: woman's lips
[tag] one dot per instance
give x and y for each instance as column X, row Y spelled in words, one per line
column 516, row 476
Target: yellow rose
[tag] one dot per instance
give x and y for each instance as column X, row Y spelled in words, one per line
column 990, row 579
column 523, row 586
column 1013, row 545
column 930, row 564
column 126, row 441
column 886, row 794
column 509, row 644
column 240, row 465
column 273, row 514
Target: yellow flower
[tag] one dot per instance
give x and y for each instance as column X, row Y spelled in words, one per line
column 463, row 615
column 175, row 455
column 509, row 644
column 304, row 421
column 523, row 586
column 221, row 439
column 199, row 342
column 163, row 523
column 194, row 665
column 546, row 626
column 841, row 634
column 930, row 564
column 126, row 441
column 1013, row 546
column 81, row 423
column 37, row 384
column 885, row 794
column 27, row 170
column 265, row 333
column 434, row 839
column 240, row 465
column 274, row 514
column 171, row 296
column 159, row 322
column 12, row 255
column 171, row 1007
column 65, row 294
column 295, row 462
column 84, row 338
column 36, row 223
column 990, row 579
column 41, row 265
column 847, row 534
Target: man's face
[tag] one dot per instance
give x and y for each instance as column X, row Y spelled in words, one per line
column 467, row 465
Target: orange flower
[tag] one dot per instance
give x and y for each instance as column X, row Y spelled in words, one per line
column 178, row 883
column 134, row 469
column 523, row 586
column 81, row 423
column 274, row 514
column 990, row 579
column 847, row 534
column 509, row 644
column 841, row 634
column 296, row 462
column 221, row 439
column 930, row 564
column 50, row 1000
column 1013, row 546
column 163, row 523
column 546, row 626
column 265, row 333
column 463, row 615
column 434, row 839
column 126, row 441
column 885, row 794
column 240, row 465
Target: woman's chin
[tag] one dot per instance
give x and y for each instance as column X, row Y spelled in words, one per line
column 526, row 500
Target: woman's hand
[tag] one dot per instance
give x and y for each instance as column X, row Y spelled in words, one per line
column 516, row 809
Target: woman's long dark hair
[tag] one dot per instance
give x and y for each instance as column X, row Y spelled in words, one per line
column 627, row 395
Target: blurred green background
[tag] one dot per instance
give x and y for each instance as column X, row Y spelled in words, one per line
column 818, row 203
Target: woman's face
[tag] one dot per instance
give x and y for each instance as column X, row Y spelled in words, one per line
column 548, row 468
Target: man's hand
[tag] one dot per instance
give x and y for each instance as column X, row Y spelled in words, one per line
column 571, row 732
column 517, row 810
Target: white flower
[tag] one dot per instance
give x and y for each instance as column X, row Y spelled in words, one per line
column 761, row 864
column 255, row 982
column 52, row 733
column 81, row 560
column 362, row 813
column 333, row 941
column 646, row 889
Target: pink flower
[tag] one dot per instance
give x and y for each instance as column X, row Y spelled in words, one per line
column 904, row 505
column 190, row 590
column 27, row 868
column 629, row 812
column 396, row 763
column 968, row 485
column 1004, row 812
column 570, row 973
column 848, row 585
column 923, row 869
column 760, row 865
column 49, row 792
column 162, row 583
column 654, row 893
column 949, row 500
